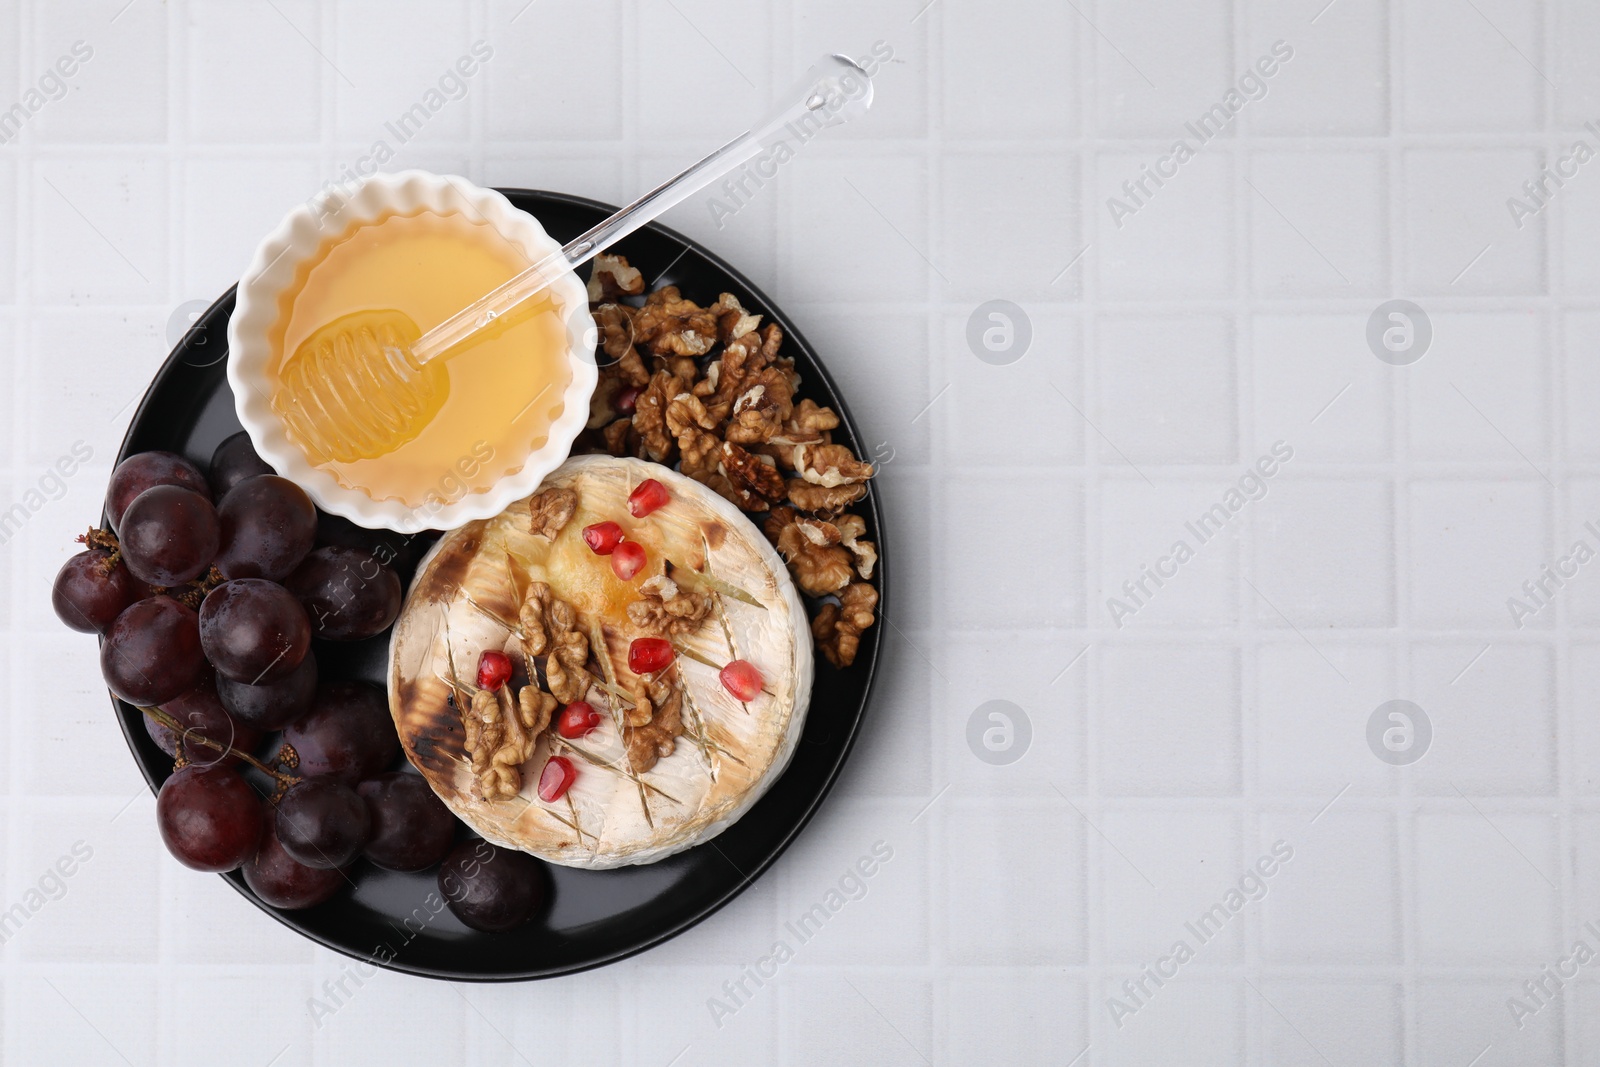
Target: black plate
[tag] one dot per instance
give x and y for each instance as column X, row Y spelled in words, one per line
column 595, row 917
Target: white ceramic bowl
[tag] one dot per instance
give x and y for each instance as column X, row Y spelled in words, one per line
column 300, row 237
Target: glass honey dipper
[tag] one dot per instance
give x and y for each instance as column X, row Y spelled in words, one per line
column 367, row 383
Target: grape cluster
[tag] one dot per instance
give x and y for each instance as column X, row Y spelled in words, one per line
column 210, row 591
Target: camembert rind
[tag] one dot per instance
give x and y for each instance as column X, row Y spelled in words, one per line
column 462, row 587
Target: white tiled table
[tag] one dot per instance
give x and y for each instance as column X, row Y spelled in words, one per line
column 1227, row 713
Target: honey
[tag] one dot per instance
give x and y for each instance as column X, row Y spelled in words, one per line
column 491, row 400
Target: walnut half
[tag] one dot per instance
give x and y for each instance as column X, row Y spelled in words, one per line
column 552, row 510
column 502, row 735
column 549, row 628
column 612, row 277
column 811, row 547
column 647, row 744
column 668, row 610
column 838, row 627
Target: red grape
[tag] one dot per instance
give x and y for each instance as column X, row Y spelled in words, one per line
column 277, row 878
column 397, row 550
column 209, row 817
column 169, row 535
column 323, row 823
column 253, row 631
column 201, row 714
column 235, row 460
column 271, row 705
column 348, row 734
column 268, row 525
column 165, row 739
column 411, row 828
column 88, row 596
column 347, row 593
column 490, row 888
column 141, row 471
column 152, row 652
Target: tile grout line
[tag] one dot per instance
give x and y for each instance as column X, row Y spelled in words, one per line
column 931, row 26
column 1553, row 318
column 1247, row 828
column 1405, row 889
column 1089, row 446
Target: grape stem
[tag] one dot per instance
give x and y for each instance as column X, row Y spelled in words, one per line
column 190, row 594
column 98, row 538
column 185, row 734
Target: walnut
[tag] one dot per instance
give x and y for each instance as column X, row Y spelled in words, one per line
column 619, row 438
column 536, row 707
column 502, row 735
column 811, row 547
column 824, row 499
column 808, row 419
column 615, row 379
column 647, row 744
column 838, row 627
column 733, row 321
column 667, row 610
column 647, row 693
column 756, row 485
column 613, row 277
column 603, row 401
column 851, row 528
column 807, row 424
column 552, row 509
column 642, row 710
column 668, row 324
column 830, row 465
column 782, row 449
column 684, row 368
column 700, row 450
column 700, row 453
column 615, row 323
column 630, row 368
column 776, row 520
column 549, row 629
column 687, row 410
column 650, row 417
column 759, row 412
column 771, row 341
column 730, row 376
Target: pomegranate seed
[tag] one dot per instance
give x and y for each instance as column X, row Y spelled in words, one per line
column 602, row 537
column 742, row 679
column 646, row 655
column 628, row 399
column 650, row 495
column 556, row 778
column 577, row 719
column 494, row 670
column 627, row 559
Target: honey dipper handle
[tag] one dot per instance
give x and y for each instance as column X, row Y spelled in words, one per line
column 832, row 92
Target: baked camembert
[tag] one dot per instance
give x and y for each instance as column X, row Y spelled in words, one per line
column 608, row 672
